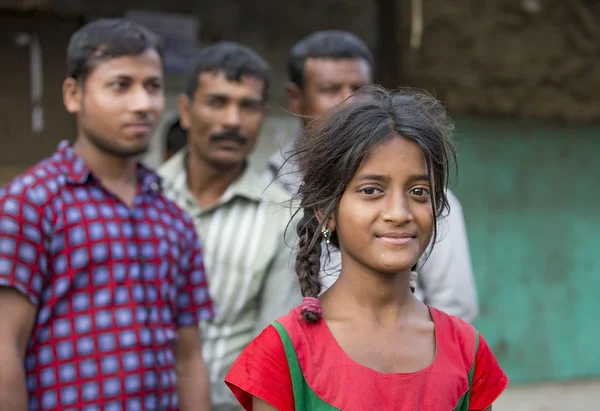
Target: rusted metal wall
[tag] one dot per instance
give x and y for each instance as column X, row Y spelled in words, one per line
column 531, row 197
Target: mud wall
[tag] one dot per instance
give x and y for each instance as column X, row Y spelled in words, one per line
column 534, row 58
column 511, row 57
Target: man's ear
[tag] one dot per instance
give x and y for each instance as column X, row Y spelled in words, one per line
column 184, row 105
column 295, row 98
column 72, row 95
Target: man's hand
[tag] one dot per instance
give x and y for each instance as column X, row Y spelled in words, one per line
column 17, row 316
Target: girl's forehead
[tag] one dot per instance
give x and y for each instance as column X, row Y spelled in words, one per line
column 394, row 156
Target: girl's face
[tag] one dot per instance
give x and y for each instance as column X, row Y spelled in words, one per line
column 384, row 220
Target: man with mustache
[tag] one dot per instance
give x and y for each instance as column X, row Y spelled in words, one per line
column 238, row 217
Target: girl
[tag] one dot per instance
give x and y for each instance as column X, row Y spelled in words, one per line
column 375, row 171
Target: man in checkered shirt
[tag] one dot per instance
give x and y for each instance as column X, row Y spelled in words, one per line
column 102, row 282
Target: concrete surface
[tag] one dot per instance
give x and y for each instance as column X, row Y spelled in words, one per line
column 568, row 396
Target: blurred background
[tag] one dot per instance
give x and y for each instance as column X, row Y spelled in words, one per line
column 521, row 79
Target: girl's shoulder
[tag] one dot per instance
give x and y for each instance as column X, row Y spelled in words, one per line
column 457, row 336
column 293, row 321
column 308, row 341
column 262, row 371
column 292, row 317
column 461, row 340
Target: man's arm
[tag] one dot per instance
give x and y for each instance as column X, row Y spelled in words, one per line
column 193, row 385
column 447, row 275
column 17, row 316
column 23, row 270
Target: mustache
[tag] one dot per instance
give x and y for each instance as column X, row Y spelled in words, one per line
column 235, row 136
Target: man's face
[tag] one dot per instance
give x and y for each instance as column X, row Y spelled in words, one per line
column 328, row 82
column 223, row 118
column 120, row 103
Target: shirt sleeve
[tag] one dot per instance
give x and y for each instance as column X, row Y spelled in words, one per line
column 23, row 259
column 194, row 302
column 447, row 274
column 489, row 381
column 262, row 371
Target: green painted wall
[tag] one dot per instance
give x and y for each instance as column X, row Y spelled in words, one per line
column 531, row 197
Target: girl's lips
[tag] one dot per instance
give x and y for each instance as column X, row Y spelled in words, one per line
column 396, row 238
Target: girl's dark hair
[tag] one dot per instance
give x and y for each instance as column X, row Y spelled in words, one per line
column 334, row 146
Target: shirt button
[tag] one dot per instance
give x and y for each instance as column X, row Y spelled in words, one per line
column 154, row 186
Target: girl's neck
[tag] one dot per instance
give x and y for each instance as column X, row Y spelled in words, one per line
column 386, row 298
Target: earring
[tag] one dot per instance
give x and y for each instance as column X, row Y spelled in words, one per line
column 326, row 234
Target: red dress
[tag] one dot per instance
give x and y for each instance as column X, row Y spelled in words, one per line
column 294, row 365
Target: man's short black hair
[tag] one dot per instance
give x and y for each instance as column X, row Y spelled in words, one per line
column 330, row 44
column 176, row 137
column 234, row 60
column 106, row 39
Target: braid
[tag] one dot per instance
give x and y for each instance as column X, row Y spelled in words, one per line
column 308, row 261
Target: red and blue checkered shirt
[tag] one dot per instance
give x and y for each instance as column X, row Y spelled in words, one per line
column 111, row 284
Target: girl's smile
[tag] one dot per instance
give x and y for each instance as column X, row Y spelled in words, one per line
column 397, row 239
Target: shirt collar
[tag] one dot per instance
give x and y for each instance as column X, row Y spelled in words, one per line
column 78, row 173
column 248, row 185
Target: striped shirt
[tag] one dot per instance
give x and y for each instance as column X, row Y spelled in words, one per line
column 248, row 264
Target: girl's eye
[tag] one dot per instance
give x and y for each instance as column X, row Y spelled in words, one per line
column 420, row 191
column 370, row 191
